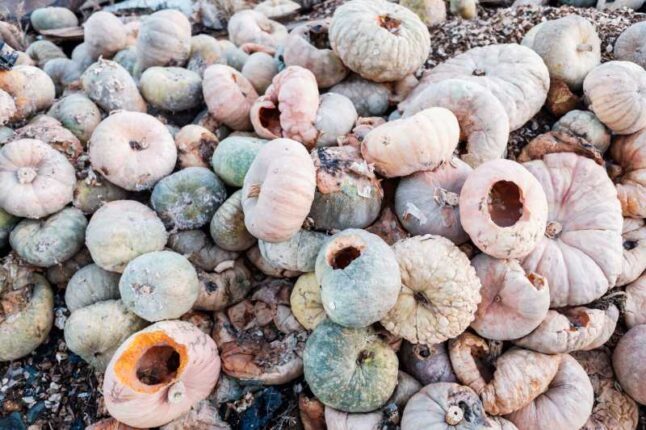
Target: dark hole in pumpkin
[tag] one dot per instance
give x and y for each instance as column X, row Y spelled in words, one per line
column 136, row 146
column 389, row 23
column 479, row 72
column 485, row 363
column 630, row 244
column 578, row 320
column 363, row 357
column 467, row 412
column 421, row 298
column 318, row 37
column 505, row 203
column 344, row 257
column 270, row 119
column 158, row 365
column 422, row 351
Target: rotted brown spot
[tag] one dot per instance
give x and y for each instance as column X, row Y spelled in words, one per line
column 505, row 203
column 578, row 320
column 557, row 142
column 391, row 24
column 318, row 36
column 560, row 99
column 270, row 119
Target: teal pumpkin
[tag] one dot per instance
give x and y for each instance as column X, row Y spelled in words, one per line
column 171, row 89
column 91, row 284
column 188, row 199
column 78, row 114
column 200, row 250
column 227, row 225
column 233, row 156
column 127, row 58
column 349, row 369
column 50, row 18
column 50, row 242
column 298, row 253
column 7, row 223
column 92, row 193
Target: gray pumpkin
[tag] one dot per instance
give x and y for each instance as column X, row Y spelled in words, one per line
column 159, row 285
column 298, row 253
column 171, row 89
column 233, row 156
column 7, row 223
column 90, row 285
column 49, row 242
column 352, row 370
column 50, row 18
column 127, row 58
column 200, row 250
column 188, row 199
column 78, row 114
column 369, row 98
column 96, row 331
column 359, row 277
column 227, row 225
column 94, row 191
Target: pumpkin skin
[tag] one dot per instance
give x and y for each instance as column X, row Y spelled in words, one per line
column 308, row 46
column 95, row 332
column 428, row 202
column 628, row 362
column 473, row 106
column 90, row 285
column 223, row 288
column 200, row 250
column 78, row 114
column 187, row 199
column 395, row 39
column 111, row 87
column 337, row 420
column 634, row 236
column 233, row 157
column 277, row 9
column 52, row 241
column 31, row 88
column 35, row 179
column 63, row 72
column 171, row 89
column 288, row 108
column 50, row 18
column 513, row 303
column 195, row 146
column 104, row 35
column 298, row 253
column 250, row 26
column 515, row 74
column 122, row 230
column 260, row 68
column 335, row 118
column 369, row 98
column 61, row 274
column 255, row 257
column 7, row 223
column 229, row 96
column 164, row 40
column 132, row 150
column 351, row 266
column 634, row 309
column 629, row 152
column 51, row 132
column 305, row 301
column 503, row 209
column 227, row 226
column 565, row 405
column 614, row 93
column 205, row 51
column 81, row 56
column 93, row 191
column 629, row 46
column 520, row 375
column 348, row 194
column 334, row 357
column 420, row 142
column 7, row 107
column 174, row 387
column 127, row 58
column 570, row 48
column 586, row 125
column 580, row 254
column 43, row 51
column 439, row 291
column 427, row 363
column 278, row 190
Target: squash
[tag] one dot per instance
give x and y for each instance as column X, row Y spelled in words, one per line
column 634, row 240
column 195, row 146
column 250, row 26
column 7, row 107
column 81, row 56
column 50, row 131
column 201, row 251
column 427, row 363
column 369, row 98
column 233, row 157
column 227, row 226
column 104, row 35
column 254, row 255
column 229, row 96
column 171, row 89
column 352, row 265
column 586, row 125
column 205, row 51
column 158, row 373
column 635, row 306
column 64, row 73
column 628, row 361
column 305, row 301
column 393, row 40
column 164, row 40
column 278, row 190
column 334, row 358
column 420, row 142
column 35, row 179
column 431, row 12
column 90, row 285
column 614, row 93
column 159, row 285
column 580, row 254
column 43, row 51
column 629, row 46
column 60, row 275
column 7, row 223
column 127, row 58
column 278, row 9
column 439, row 293
column 111, row 87
column 132, row 150
column 32, row 90
column 122, row 230
column 337, row 420
column 260, row 68
column 298, row 253
column 78, row 114
column 94, row 191
column 52, row 18
column 503, row 209
column 629, row 154
column 335, row 118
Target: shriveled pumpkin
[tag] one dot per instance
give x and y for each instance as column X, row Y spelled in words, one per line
column 225, row 287
column 158, row 373
column 229, row 96
column 35, row 179
column 195, row 146
column 278, row 190
column 427, row 363
column 635, row 307
column 297, row 254
column 393, row 40
column 31, row 88
column 439, row 292
column 631, row 44
column 580, row 253
column 629, row 154
column 171, row 88
column 104, row 35
column 586, row 125
column 251, row 26
column 227, row 226
column 132, row 150
column 51, row 131
column 164, row 39
column 111, row 87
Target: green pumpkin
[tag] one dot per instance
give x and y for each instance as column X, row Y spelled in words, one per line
column 52, row 241
column 90, row 285
column 7, row 223
column 359, row 277
column 227, row 225
column 78, row 114
column 233, row 156
column 50, row 18
column 188, row 199
column 298, row 253
column 91, row 194
column 127, row 58
column 171, row 89
column 352, row 370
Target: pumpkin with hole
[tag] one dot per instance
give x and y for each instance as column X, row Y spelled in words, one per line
column 31, row 88
column 227, row 226
column 104, row 35
column 158, row 373
column 159, row 285
column 164, row 40
column 171, row 89
column 51, row 18
column 427, row 363
column 132, row 150
column 334, row 358
column 111, row 87
column 278, row 190
column 580, row 253
column 122, row 230
column 630, row 45
column 35, row 179
column 352, row 265
column 94, row 332
column 89, row 285
column 298, row 253
column 395, row 40
column 503, row 209
column 233, row 157
column 250, row 26
column 305, row 301
column 586, row 125
column 229, row 96
column 629, row 154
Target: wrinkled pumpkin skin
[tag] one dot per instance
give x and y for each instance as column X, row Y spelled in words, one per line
column 351, row 266
column 629, row 152
column 164, row 40
column 78, row 114
column 427, row 363
column 233, row 157
column 45, row 243
column 171, row 89
column 334, row 358
column 111, row 87
column 628, row 360
column 229, row 96
column 297, row 254
column 634, row 236
column 90, row 285
column 305, row 301
column 586, row 125
column 635, row 307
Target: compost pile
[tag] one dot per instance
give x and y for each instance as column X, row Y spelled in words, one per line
column 354, row 215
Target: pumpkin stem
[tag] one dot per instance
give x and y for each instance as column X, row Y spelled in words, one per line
column 254, row 191
column 176, row 392
column 446, row 198
column 584, row 47
column 553, row 229
column 138, row 146
column 26, row 175
column 454, row 415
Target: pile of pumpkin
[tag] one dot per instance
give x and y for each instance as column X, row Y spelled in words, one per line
column 432, row 275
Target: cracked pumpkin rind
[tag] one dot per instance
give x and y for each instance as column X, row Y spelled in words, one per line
column 439, row 292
